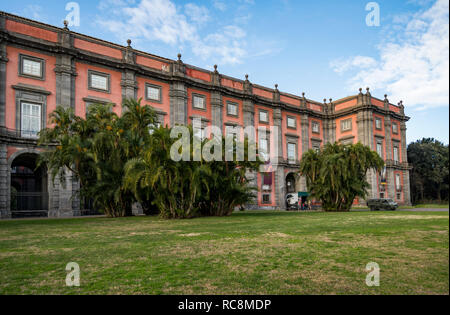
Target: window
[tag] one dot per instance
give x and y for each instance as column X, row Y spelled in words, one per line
column 315, row 126
column 291, row 122
column 380, row 149
column 347, row 141
column 200, row 132
column 31, row 67
column 291, row 152
column 264, row 149
column 398, row 184
column 98, row 81
column 153, row 93
column 199, row 101
column 394, row 128
column 231, row 131
column 316, row 147
column 378, row 123
column 263, row 116
column 266, row 199
column 156, row 125
column 30, row 120
column 399, row 196
column 232, row 109
column 396, row 159
column 346, row 125
column 267, row 181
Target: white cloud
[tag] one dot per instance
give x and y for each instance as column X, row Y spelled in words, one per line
column 34, row 12
column 162, row 20
column 225, row 45
column 413, row 66
column 344, row 65
column 196, row 13
column 219, row 5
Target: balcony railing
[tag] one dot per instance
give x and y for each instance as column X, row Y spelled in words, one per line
column 18, row 133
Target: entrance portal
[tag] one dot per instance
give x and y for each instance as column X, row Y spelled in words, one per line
column 29, row 194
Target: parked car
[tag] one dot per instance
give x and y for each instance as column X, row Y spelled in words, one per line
column 382, row 204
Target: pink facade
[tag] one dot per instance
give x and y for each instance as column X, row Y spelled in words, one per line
column 131, row 72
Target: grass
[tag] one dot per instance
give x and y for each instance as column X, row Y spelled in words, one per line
column 430, row 206
column 247, row 253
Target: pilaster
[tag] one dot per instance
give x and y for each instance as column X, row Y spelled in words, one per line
column 304, row 125
column 216, row 101
column 3, row 62
column 128, row 82
column 62, row 206
column 249, row 121
column 5, row 211
column 406, row 180
column 280, row 182
column 178, row 95
column 65, row 71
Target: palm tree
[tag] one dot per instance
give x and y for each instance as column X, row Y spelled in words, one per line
column 337, row 174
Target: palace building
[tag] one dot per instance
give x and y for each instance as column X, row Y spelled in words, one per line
column 42, row 66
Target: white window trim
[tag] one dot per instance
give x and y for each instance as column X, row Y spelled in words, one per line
column 25, row 133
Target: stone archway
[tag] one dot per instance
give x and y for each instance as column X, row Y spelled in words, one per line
column 292, row 183
column 28, row 185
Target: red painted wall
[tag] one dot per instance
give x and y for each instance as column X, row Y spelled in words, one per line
column 353, row 132
column 81, row 88
column 97, row 48
column 29, row 30
column 165, row 105
column 13, row 78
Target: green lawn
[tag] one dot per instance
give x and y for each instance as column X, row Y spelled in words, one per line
column 247, row 253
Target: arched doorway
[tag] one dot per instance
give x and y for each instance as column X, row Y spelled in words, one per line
column 29, row 191
column 291, row 183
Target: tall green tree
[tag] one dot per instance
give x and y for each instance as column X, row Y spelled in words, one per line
column 186, row 189
column 96, row 150
column 336, row 174
column 429, row 159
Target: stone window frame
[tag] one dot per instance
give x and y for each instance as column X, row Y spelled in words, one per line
column 103, row 74
column 22, row 57
column 316, row 144
column 287, row 122
column 89, row 101
column 295, row 151
column 269, row 201
column 399, row 186
column 155, row 86
column 204, row 123
column 396, row 145
column 202, row 96
column 378, row 119
column 266, row 137
column 315, row 122
column 160, row 119
column 235, row 126
column 396, row 125
column 379, row 140
column 344, row 121
column 259, row 116
column 266, row 191
column 32, row 95
column 237, row 109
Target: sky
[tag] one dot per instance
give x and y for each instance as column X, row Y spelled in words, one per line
column 325, row 48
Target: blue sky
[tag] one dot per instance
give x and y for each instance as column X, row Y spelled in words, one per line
column 323, row 48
